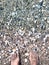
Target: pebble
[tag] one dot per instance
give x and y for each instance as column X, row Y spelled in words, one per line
column 35, row 21
column 26, row 60
column 6, row 42
column 43, row 44
column 40, row 0
column 48, row 47
column 29, row 33
column 0, row 57
column 13, row 13
column 12, row 53
column 2, row 51
column 9, row 51
column 1, row 8
column 46, row 52
column 48, row 21
column 33, row 29
column 4, row 63
column 38, row 6
column 4, row 38
column 37, row 36
column 21, row 32
column 26, row 54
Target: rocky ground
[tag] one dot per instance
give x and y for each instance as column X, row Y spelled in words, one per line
column 24, row 26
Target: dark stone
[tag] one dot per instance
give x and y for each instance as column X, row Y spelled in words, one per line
column 1, row 8
column 35, row 49
column 41, row 3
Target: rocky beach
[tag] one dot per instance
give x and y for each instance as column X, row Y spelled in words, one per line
column 24, row 26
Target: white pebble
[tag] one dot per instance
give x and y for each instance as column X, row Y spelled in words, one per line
column 46, row 52
column 21, row 32
column 26, row 60
column 26, row 54
column 6, row 42
column 43, row 43
column 40, row 0
column 14, row 50
column 35, row 21
column 12, row 53
column 0, row 57
column 13, row 13
column 4, row 37
column 33, row 29
column 2, row 51
column 4, row 63
column 29, row 33
column 48, row 47
column 47, row 21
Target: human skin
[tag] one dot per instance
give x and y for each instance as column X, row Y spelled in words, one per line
column 33, row 57
column 15, row 59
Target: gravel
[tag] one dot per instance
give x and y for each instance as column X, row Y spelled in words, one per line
column 24, row 26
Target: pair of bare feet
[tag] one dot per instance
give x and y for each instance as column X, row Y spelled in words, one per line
column 33, row 57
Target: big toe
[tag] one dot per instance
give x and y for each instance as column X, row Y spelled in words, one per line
column 14, row 59
column 33, row 57
column 13, row 56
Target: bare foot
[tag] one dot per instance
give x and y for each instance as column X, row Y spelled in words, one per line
column 33, row 58
column 15, row 59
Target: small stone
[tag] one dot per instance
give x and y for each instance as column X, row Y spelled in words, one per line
column 0, row 57
column 45, row 18
column 25, row 42
column 9, row 51
column 44, row 39
column 29, row 33
column 4, row 63
column 47, row 35
column 28, row 19
column 6, row 42
column 47, row 21
column 26, row 60
column 12, row 53
column 33, row 29
column 35, row 21
column 33, row 6
column 4, row 38
column 13, row 13
column 38, row 6
column 43, row 44
column 37, row 36
column 1, row 8
column 43, row 47
column 21, row 32
column 48, row 47
column 26, row 54
column 2, row 51
column 43, row 26
column 35, row 49
column 46, row 52
column 40, row 0
column 35, row 45
column 14, row 50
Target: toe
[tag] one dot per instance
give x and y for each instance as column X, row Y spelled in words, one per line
column 13, row 56
column 33, row 57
